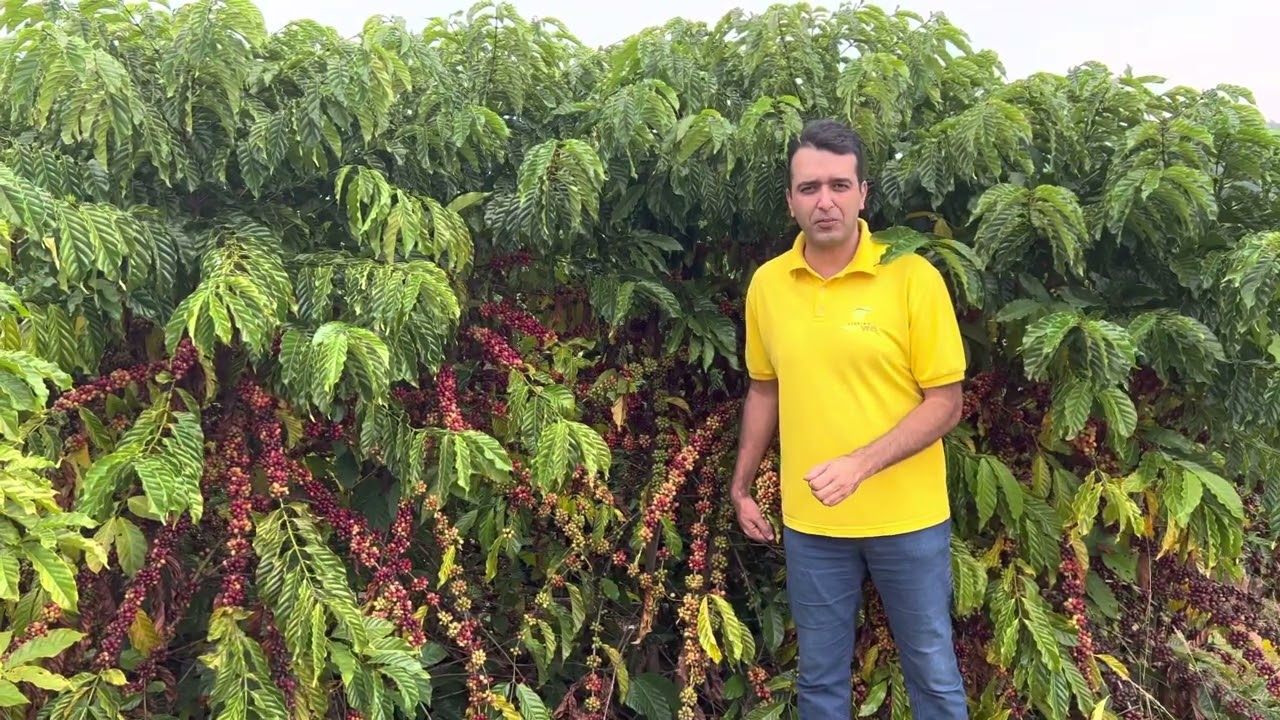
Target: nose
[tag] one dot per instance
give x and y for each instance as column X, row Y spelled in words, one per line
column 825, row 200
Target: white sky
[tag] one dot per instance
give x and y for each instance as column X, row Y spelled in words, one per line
column 1182, row 40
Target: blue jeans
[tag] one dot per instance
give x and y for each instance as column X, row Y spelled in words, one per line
column 912, row 574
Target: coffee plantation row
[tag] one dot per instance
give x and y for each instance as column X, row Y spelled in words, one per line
column 399, row 375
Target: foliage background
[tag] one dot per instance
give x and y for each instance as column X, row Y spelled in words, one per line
column 398, row 375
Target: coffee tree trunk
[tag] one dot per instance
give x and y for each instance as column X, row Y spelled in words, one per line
column 399, row 375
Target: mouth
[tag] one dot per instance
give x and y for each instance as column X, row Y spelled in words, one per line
column 827, row 223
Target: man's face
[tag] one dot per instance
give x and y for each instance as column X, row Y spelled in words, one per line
column 825, row 196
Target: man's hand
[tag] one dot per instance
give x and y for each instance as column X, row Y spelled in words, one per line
column 752, row 520
column 835, row 480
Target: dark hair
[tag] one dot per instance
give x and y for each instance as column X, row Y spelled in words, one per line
column 832, row 136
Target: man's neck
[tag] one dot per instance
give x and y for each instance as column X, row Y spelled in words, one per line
column 827, row 261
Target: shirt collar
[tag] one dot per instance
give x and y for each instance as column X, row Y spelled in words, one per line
column 866, row 258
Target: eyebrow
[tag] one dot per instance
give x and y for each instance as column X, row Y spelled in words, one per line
column 807, row 183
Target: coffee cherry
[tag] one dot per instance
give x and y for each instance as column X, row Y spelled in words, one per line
column 496, row 348
column 517, row 319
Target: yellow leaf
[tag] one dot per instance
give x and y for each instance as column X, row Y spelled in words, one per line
column 80, row 457
column 1040, row 476
column 292, row 425
column 446, row 566
column 1171, row 537
column 1081, row 552
column 991, row 558
column 620, row 411
column 678, row 402
column 706, row 637
column 509, row 711
column 142, row 633
column 1153, row 504
column 114, row 676
column 619, row 670
column 1116, row 666
column 1100, row 711
column 870, row 664
column 52, row 246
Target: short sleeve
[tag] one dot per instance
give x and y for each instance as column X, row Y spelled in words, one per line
column 758, row 365
column 937, row 350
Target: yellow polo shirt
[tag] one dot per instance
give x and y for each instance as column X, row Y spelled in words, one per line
column 851, row 354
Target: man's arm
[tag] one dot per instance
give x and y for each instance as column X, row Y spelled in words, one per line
column 759, row 421
column 937, row 359
column 933, row 418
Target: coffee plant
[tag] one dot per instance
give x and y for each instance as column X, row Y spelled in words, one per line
column 398, row 375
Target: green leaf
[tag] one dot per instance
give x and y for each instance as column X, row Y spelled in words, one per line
column 987, row 487
column 531, row 706
column 1218, row 487
column 742, row 645
column 131, row 546
column 51, row 644
column 969, row 578
column 10, row 695
column 652, row 696
column 241, row 686
column 1121, row 415
column 1071, row 406
column 1042, row 340
column 57, row 577
column 1036, row 617
column 38, row 677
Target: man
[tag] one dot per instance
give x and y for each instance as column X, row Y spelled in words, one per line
column 858, row 366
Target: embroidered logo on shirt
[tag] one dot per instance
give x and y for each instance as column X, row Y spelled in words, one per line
column 858, row 320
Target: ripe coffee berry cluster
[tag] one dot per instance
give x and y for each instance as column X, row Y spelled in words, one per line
column 184, row 357
column 277, row 653
column 1073, row 587
column 447, row 397
column 664, row 503
column 391, row 598
column 324, row 430
column 350, row 527
column 140, row 588
column 978, row 390
column 388, row 596
column 506, row 261
column 113, row 382
column 709, row 446
column 181, row 592
column 37, row 628
column 759, row 679
column 495, row 347
column 1242, row 641
column 464, row 633
column 232, row 472
column 517, row 319
column 1086, row 443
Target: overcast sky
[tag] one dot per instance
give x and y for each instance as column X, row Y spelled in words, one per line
column 1184, row 40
